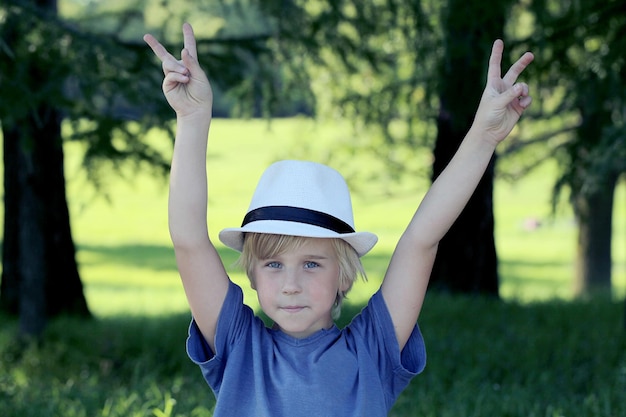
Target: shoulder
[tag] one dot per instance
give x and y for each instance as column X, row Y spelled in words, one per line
column 234, row 321
column 373, row 329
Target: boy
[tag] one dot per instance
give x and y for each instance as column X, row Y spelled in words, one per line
column 299, row 249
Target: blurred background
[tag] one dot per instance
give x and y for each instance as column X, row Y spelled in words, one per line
column 382, row 90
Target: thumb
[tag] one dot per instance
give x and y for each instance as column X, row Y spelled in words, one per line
column 517, row 95
column 515, row 92
column 519, row 91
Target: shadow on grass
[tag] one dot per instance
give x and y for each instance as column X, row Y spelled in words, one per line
column 154, row 257
column 486, row 357
column 533, row 272
column 161, row 258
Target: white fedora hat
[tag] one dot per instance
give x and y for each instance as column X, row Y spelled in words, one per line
column 301, row 198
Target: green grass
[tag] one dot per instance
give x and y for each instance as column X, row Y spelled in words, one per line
column 536, row 353
column 486, row 358
column 127, row 241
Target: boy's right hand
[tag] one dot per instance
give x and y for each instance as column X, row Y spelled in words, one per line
column 186, row 86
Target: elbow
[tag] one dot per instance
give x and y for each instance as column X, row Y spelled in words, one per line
column 188, row 248
column 419, row 242
column 190, row 240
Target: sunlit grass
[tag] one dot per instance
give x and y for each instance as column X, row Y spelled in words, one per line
column 125, row 243
column 127, row 264
column 537, row 248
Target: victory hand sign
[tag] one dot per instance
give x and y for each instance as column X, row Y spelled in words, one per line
column 503, row 100
column 185, row 85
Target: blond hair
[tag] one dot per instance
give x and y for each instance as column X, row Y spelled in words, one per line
column 265, row 245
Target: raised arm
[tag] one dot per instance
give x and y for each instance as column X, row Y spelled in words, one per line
column 502, row 103
column 188, row 91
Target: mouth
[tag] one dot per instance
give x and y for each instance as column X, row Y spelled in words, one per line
column 292, row 309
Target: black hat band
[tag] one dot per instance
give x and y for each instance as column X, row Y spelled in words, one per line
column 299, row 215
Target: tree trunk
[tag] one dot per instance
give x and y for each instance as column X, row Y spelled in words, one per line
column 39, row 276
column 9, row 284
column 594, row 213
column 466, row 261
column 31, row 251
column 593, row 177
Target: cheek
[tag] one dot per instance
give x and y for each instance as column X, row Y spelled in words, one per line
column 265, row 290
column 253, row 273
column 264, row 300
column 329, row 288
column 339, row 285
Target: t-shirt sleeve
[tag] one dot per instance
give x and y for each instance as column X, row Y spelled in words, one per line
column 375, row 327
column 233, row 321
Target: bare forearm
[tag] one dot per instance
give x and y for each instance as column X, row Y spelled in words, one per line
column 501, row 106
column 451, row 191
column 406, row 279
column 188, row 183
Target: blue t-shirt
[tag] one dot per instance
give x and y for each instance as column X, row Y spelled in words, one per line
column 261, row 372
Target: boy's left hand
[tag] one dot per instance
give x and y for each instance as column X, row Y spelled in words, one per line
column 503, row 100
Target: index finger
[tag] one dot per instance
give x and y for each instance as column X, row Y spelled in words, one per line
column 189, row 40
column 516, row 69
column 158, row 49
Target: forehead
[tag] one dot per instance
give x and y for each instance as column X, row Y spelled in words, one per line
column 319, row 251
column 312, row 245
column 266, row 245
column 306, row 245
column 272, row 245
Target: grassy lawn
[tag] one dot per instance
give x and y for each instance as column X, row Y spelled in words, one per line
column 538, row 353
column 125, row 252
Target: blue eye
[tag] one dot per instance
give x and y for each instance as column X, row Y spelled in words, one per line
column 310, row 264
column 273, row 264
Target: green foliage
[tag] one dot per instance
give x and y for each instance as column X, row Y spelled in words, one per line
column 373, row 63
column 579, row 76
column 97, row 81
column 88, row 62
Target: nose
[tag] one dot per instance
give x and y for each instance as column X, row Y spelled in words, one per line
column 291, row 283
